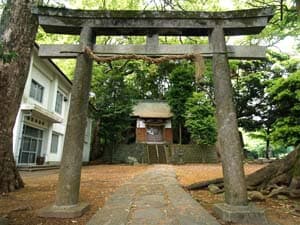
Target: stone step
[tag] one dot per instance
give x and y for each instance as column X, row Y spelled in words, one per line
column 33, row 168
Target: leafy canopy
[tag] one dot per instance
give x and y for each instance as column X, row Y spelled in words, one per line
column 181, row 88
column 200, row 119
column 112, row 102
column 285, row 93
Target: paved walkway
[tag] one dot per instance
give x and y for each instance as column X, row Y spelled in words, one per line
column 152, row 198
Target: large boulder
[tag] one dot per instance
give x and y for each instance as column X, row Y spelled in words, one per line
column 214, row 189
column 132, row 160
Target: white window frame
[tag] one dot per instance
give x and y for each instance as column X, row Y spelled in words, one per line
column 39, row 143
column 59, row 111
column 52, row 150
column 34, row 87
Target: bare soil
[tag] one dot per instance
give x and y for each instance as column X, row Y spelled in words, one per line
column 99, row 182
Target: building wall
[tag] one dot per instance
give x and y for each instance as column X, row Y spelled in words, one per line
column 137, row 151
column 175, row 154
column 45, row 73
column 168, row 135
column 141, row 132
column 87, row 141
column 193, row 154
column 141, row 135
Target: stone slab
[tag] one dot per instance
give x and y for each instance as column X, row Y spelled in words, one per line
column 64, row 211
column 107, row 216
column 71, row 51
column 148, row 214
column 241, row 214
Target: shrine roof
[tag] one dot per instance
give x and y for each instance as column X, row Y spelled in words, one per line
column 152, row 109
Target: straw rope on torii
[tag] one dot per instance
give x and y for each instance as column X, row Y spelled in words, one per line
column 196, row 57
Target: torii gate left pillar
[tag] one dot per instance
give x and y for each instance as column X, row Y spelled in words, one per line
column 67, row 204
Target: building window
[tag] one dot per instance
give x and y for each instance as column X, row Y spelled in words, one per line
column 59, row 102
column 54, row 143
column 31, row 144
column 36, row 91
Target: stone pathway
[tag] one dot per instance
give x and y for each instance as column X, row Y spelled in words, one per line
column 152, row 198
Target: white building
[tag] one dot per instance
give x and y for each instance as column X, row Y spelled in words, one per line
column 40, row 127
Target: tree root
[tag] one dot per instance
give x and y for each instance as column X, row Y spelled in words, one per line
column 279, row 177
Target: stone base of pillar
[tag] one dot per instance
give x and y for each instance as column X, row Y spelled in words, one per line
column 64, row 211
column 4, row 221
column 248, row 214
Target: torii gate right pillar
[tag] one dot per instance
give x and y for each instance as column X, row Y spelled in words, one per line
column 235, row 208
column 228, row 136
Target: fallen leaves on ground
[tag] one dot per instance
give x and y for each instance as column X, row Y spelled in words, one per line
column 97, row 184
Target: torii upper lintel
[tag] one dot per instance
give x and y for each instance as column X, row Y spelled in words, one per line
column 169, row 23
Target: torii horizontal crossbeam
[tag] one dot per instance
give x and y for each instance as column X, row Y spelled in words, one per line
column 71, row 51
column 173, row 23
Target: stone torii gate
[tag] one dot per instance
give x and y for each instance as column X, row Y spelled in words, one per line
column 215, row 25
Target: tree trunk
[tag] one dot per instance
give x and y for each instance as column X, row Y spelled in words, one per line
column 17, row 32
column 180, row 133
column 268, row 150
column 96, row 145
column 295, row 182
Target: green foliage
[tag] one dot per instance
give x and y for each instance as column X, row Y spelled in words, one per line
column 112, row 103
column 285, row 93
column 181, row 88
column 51, row 3
column 200, row 119
column 284, row 23
column 66, row 65
column 147, row 5
column 256, row 108
column 147, row 81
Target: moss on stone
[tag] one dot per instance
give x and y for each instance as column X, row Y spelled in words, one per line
column 144, row 14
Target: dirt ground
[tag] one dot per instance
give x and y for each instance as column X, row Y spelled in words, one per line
column 278, row 211
column 98, row 182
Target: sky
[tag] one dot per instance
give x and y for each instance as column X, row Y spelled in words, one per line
column 288, row 45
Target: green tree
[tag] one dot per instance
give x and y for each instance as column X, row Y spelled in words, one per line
column 147, row 81
column 285, row 22
column 200, row 119
column 256, row 110
column 254, row 107
column 285, row 93
column 112, row 104
column 181, row 88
